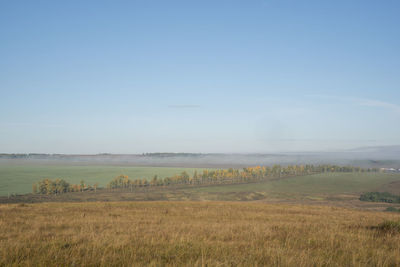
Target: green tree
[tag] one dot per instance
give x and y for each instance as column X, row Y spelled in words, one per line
column 82, row 184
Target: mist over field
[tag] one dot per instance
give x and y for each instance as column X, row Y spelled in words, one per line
column 388, row 156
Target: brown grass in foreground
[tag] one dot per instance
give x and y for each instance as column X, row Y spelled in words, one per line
column 193, row 234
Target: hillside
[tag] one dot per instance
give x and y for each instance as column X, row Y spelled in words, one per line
column 193, row 234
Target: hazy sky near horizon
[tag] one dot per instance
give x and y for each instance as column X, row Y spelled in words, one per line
column 198, row 76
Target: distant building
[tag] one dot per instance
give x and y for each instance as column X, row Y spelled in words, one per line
column 390, row 170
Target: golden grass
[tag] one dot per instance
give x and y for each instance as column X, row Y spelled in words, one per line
column 193, row 234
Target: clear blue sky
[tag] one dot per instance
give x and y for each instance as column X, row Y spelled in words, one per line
column 198, row 76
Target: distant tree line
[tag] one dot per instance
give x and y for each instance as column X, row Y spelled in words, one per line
column 58, row 186
column 165, row 155
column 231, row 176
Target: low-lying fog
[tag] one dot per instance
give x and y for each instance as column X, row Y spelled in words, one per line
column 388, row 156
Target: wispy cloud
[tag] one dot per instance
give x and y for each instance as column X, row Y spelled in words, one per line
column 362, row 102
column 380, row 104
column 184, row 106
column 30, row 124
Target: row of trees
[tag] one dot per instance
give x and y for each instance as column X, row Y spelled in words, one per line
column 229, row 176
column 58, row 186
column 205, row 177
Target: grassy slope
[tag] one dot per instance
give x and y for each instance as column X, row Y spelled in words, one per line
column 193, row 234
column 18, row 178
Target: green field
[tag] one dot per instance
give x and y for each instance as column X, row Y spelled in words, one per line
column 326, row 183
column 18, row 178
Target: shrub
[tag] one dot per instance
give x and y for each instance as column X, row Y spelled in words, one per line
column 380, row 197
column 392, row 209
column 392, row 227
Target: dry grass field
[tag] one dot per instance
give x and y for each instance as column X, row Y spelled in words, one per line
column 193, row 234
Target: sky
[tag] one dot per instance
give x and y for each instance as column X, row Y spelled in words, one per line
column 198, row 76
